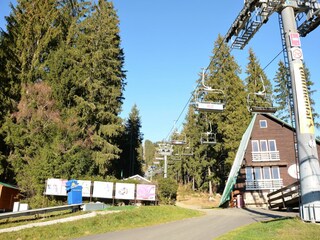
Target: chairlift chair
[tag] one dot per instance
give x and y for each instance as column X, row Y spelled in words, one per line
column 203, row 105
column 203, row 96
column 180, row 139
column 187, row 151
column 257, row 101
column 208, row 138
column 165, row 149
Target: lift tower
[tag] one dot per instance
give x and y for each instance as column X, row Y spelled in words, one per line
column 298, row 19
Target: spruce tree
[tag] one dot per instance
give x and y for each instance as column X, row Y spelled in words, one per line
column 65, row 56
column 130, row 159
column 281, row 93
column 88, row 77
column 257, row 82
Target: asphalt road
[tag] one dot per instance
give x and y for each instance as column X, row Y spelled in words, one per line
column 213, row 224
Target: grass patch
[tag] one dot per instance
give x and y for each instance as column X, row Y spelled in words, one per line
column 284, row 229
column 131, row 218
column 18, row 221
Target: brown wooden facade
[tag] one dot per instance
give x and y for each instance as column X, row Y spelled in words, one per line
column 8, row 195
column 269, row 160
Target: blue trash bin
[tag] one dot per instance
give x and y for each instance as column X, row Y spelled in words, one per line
column 74, row 191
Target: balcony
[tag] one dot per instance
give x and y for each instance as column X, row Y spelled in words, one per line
column 264, row 184
column 265, row 156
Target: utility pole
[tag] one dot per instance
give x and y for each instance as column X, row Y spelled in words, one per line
column 254, row 14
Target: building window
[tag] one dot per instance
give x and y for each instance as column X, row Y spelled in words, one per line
column 264, row 150
column 263, row 123
column 263, row 178
column 255, row 146
column 272, row 145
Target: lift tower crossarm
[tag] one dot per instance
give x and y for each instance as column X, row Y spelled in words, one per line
column 253, row 15
column 312, row 18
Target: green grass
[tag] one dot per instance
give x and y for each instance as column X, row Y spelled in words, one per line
column 126, row 219
column 284, row 229
column 18, row 221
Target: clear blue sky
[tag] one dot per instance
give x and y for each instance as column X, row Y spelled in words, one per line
column 166, row 43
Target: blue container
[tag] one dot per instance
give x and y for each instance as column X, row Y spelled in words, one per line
column 74, row 191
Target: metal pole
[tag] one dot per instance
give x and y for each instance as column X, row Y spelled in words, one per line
column 306, row 145
column 165, row 166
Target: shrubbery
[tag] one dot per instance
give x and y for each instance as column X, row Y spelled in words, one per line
column 167, row 190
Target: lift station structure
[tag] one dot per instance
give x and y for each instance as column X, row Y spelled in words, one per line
column 296, row 18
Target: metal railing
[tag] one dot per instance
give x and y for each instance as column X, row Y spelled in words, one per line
column 31, row 212
column 264, row 184
column 266, row 156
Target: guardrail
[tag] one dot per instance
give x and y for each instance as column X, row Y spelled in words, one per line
column 286, row 197
column 72, row 207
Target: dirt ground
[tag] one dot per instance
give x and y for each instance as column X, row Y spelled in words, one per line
column 201, row 200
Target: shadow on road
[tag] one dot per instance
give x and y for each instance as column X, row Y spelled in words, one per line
column 261, row 214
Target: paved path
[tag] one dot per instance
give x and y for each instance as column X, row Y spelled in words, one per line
column 213, row 224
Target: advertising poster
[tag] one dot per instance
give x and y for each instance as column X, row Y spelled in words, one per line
column 146, row 192
column 86, row 187
column 125, row 191
column 102, row 189
column 56, row 187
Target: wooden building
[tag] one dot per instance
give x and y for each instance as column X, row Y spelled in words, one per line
column 8, row 195
column 265, row 161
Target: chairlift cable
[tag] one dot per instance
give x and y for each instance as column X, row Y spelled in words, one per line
column 199, row 82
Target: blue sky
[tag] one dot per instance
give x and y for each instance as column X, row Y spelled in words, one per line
column 166, row 43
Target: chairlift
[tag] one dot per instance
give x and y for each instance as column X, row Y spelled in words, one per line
column 187, row 151
column 165, row 149
column 208, row 137
column 178, row 139
column 203, row 96
column 257, row 101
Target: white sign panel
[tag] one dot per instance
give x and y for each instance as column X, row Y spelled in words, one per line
column 102, row 189
column 86, row 187
column 56, row 187
column 296, row 53
column 146, row 192
column 125, row 191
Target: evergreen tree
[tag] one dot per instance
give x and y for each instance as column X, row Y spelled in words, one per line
column 67, row 55
column 257, row 82
column 281, row 93
column 211, row 163
column 130, row 160
column 149, row 152
column 232, row 122
column 311, row 92
column 88, row 81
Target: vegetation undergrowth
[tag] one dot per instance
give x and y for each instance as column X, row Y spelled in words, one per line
column 138, row 217
column 284, row 229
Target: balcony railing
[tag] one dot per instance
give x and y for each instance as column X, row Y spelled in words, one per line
column 264, row 184
column 266, row 156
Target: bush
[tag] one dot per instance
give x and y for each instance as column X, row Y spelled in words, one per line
column 167, row 190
